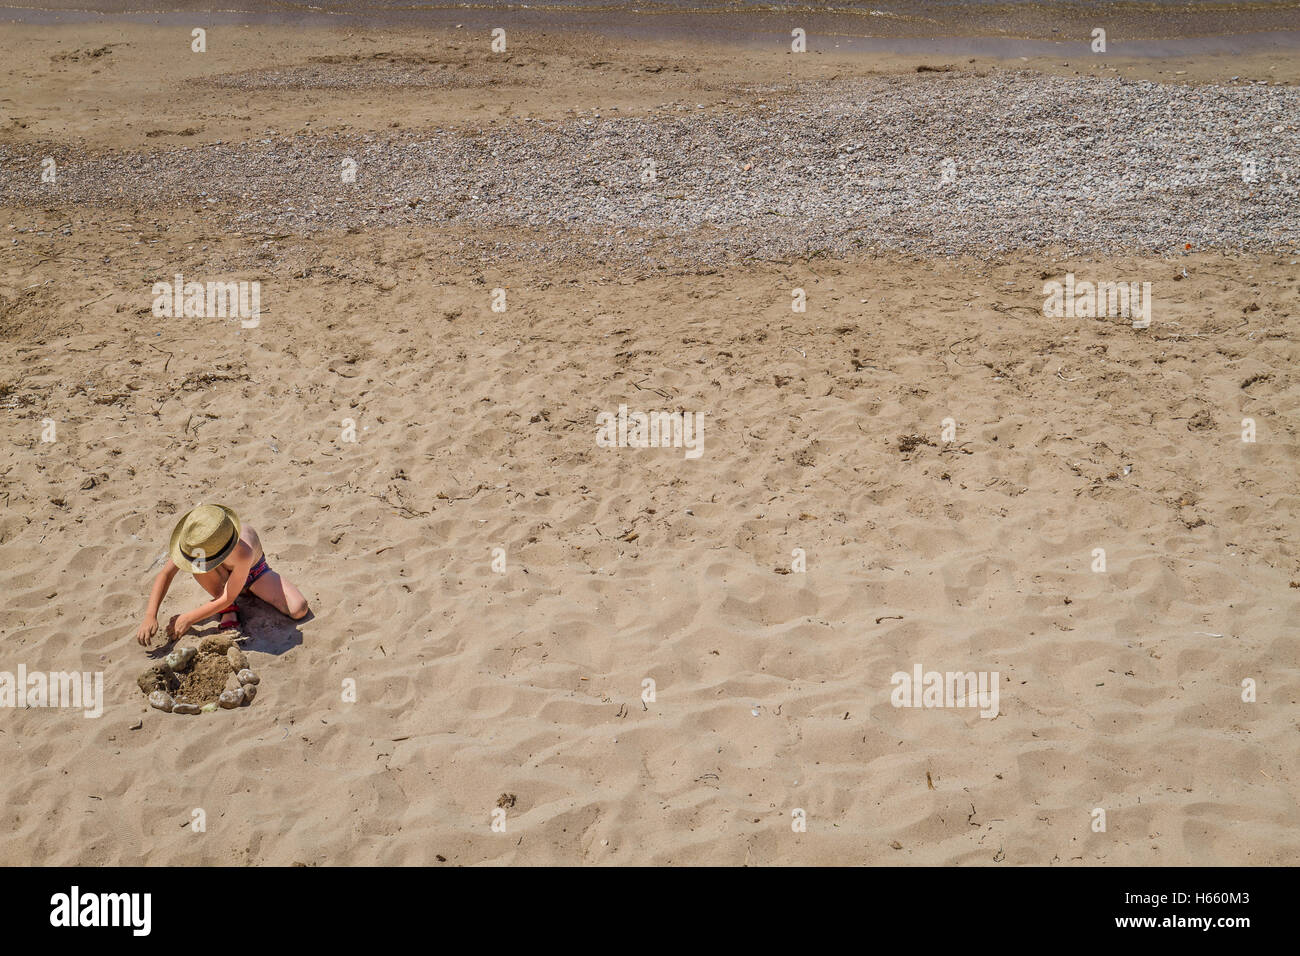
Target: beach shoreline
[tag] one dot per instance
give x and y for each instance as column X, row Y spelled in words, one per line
column 1155, row 27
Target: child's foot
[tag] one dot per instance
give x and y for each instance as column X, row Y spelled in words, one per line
column 229, row 618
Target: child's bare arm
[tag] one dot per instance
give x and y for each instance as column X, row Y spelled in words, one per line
column 161, row 582
column 242, row 562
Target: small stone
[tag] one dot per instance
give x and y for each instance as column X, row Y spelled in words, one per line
column 162, row 700
column 250, row 691
column 183, row 708
column 180, row 659
column 230, row 699
column 209, row 708
column 155, row 677
column 137, row 725
column 246, row 676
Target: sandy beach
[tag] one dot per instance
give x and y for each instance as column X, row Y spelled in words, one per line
column 527, row 647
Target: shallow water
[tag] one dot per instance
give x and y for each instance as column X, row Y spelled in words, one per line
column 990, row 27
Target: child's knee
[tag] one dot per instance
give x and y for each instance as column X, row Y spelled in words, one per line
column 298, row 609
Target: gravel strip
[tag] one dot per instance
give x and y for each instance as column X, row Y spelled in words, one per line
column 1076, row 164
column 331, row 76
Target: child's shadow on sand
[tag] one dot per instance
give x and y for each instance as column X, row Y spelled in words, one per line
column 266, row 630
column 261, row 628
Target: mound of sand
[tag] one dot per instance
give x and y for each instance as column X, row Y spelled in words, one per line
column 192, row 677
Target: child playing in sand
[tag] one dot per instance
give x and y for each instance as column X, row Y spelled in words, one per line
column 227, row 560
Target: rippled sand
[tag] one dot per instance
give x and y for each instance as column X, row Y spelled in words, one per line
column 522, row 691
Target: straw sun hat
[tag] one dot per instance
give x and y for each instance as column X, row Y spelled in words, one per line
column 204, row 537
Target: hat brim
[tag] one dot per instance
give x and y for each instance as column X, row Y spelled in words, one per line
column 210, row 561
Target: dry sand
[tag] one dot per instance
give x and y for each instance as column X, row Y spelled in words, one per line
column 522, row 691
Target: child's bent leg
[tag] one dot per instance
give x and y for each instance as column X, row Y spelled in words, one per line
column 280, row 594
column 214, row 582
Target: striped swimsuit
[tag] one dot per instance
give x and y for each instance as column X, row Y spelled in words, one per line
column 259, row 568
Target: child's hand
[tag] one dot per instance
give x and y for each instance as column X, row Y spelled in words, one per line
column 148, row 628
column 178, row 625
